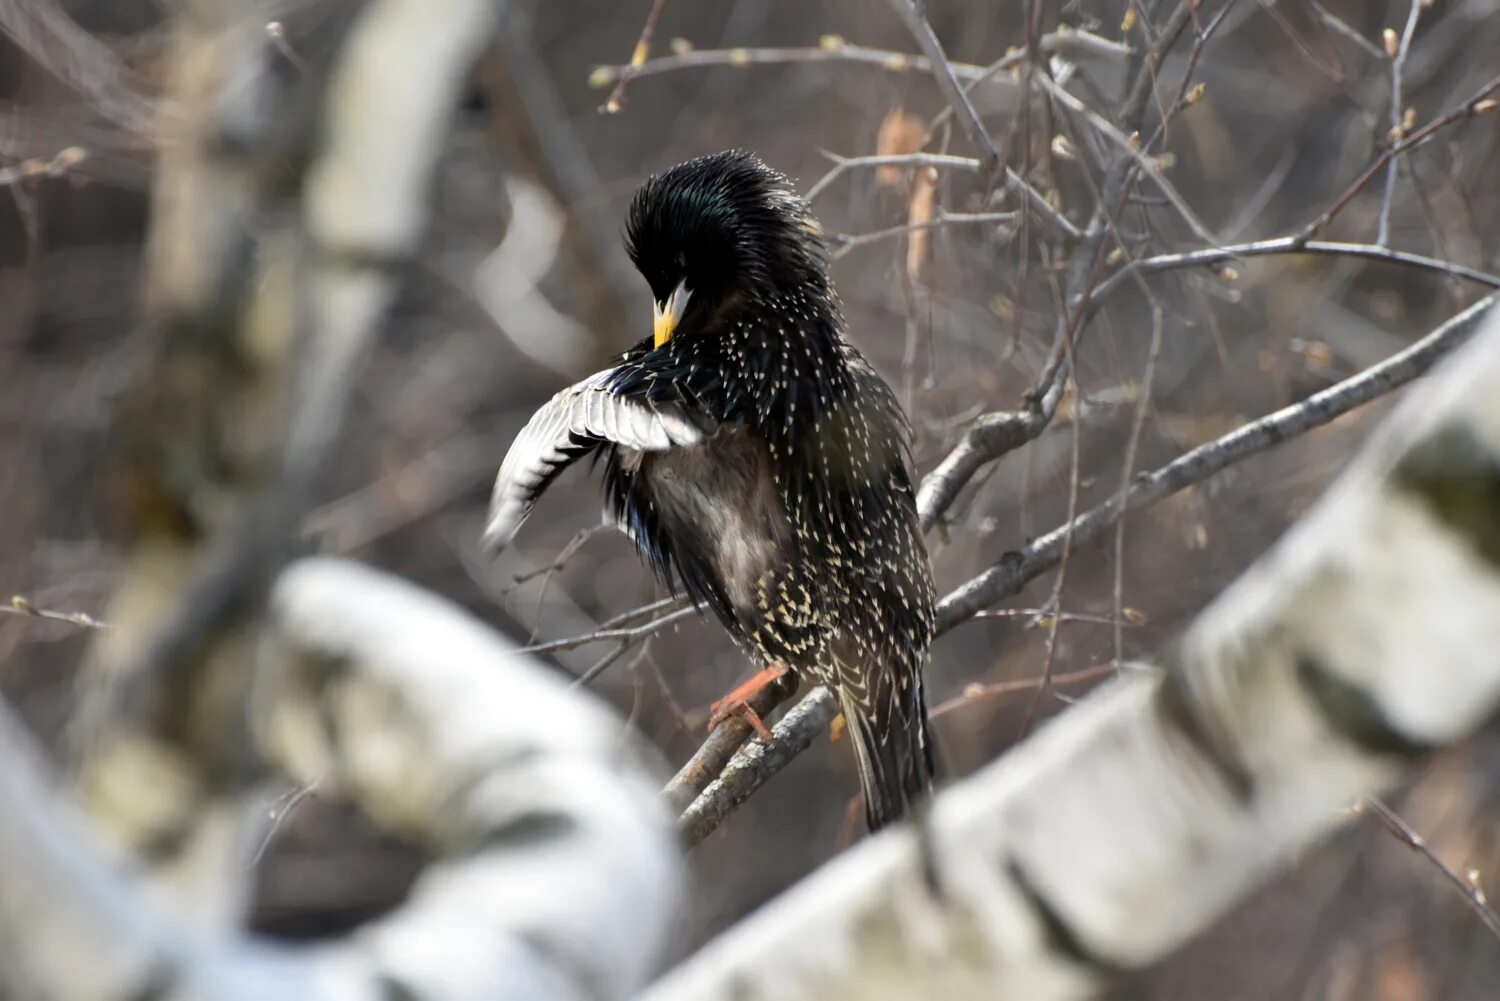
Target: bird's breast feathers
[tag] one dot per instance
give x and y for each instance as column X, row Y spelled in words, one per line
column 719, row 499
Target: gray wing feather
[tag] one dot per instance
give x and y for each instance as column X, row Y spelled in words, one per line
column 570, row 425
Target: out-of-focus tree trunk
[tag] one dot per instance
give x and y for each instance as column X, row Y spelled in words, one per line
column 286, row 208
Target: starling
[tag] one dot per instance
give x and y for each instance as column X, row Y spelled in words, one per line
column 758, row 461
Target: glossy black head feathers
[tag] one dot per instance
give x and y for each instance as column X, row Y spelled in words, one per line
column 728, row 227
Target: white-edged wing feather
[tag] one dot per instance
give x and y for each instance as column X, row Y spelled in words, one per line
column 570, row 425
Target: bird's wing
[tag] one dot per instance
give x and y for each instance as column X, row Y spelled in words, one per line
column 573, row 423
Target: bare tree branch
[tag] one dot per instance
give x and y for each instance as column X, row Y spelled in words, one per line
column 1288, row 245
column 795, row 732
column 617, row 634
column 1133, row 150
column 846, row 242
column 637, row 58
column 1467, row 889
column 1359, row 645
column 708, row 763
column 20, row 605
column 559, row 870
column 1477, row 104
column 1342, row 27
column 941, row 161
column 1014, row 570
column 756, row 762
column 1398, row 115
column 557, row 873
column 916, row 22
column 832, row 48
column 994, row 435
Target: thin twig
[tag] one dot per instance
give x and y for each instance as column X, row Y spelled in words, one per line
column 916, row 23
column 832, row 49
column 397, row 498
column 849, row 241
column 939, row 161
column 1062, row 228
column 1127, row 471
column 1340, row 26
column 550, row 571
column 1288, row 245
column 598, row 667
column 1476, row 104
column 674, row 708
column 1016, row 569
column 1066, row 42
column 1054, row 600
column 624, row 635
column 650, row 608
column 564, row 555
column 1041, row 616
column 638, row 58
column 276, row 33
column 1398, row 113
column 958, row 99
column 80, row 59
column 638, row 686
column 20, row 605
column 280, row 811
column 974, row 694
column 1314, row 59
column 1145, row 161
column 1469, row 889
column 996, row 434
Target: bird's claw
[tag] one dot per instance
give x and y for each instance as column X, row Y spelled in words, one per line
column 737, row 702
column 727, row 707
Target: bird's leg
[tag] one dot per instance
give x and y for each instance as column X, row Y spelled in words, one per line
column 737, row 702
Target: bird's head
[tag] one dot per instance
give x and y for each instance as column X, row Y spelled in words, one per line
column 719, row 235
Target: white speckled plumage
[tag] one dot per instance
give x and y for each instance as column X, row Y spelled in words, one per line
column 759, row 461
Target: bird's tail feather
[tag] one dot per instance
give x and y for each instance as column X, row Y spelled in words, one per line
column 894, row 761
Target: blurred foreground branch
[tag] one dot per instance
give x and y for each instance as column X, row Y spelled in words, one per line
column 1357, row 646
column 263, row 296
column 286, row 210
column 557, row 873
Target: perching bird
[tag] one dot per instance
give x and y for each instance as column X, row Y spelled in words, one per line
column 758, row 461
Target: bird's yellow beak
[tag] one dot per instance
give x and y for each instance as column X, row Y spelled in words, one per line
column 668, row 314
